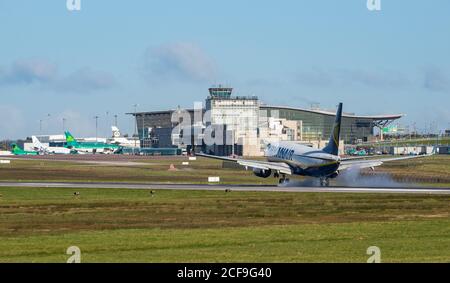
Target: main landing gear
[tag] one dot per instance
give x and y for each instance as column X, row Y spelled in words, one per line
column 283, row 179
column 324, row 182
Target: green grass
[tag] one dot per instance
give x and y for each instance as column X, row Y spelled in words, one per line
column 155, row 171
column 117, row 225
column 406, row 241
column 434, row 171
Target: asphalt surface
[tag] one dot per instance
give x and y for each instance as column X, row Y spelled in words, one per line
column 240, row 188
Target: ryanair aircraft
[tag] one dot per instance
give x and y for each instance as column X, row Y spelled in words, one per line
column 289, row 158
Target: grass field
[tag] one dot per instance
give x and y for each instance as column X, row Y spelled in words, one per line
column 432, row 171
column 151, row 170
column 117, row 225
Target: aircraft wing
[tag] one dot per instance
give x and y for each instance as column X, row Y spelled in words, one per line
column 369, row 163
column 280, row 167
column 359, row 157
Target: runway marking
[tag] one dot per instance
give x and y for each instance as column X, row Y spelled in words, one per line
column 240, row 188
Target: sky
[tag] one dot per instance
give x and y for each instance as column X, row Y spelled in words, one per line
column 99, row 61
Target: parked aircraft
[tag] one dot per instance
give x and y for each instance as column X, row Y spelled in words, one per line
column 89, row 147
column 16, row 150
column 122, row 141
column 38, row 146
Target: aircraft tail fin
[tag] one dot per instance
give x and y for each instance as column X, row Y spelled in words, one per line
column 15, row 148
column 333, row 144
column 115, row 132
column 37, row 144
column 435, row 149
column 70, row 140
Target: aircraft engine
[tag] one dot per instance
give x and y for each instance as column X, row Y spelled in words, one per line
column 262, row 173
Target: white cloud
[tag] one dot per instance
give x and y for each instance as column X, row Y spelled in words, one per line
column 85, row 80
column 45, row 74
column 185, row 61
column 27, row 71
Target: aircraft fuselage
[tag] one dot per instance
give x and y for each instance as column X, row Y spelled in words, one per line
column 303, row 160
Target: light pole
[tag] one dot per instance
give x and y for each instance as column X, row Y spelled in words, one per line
column 135, row 124
column 96, row 127
column 107, row 121
column 115, row 120
column 40, row 123
column 135, row 120
column 48, row 118
column 143, row 128
column 63, row 124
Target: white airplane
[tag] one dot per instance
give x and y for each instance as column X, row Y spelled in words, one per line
column 122, row 141
column 289, row 158
column 38, row 146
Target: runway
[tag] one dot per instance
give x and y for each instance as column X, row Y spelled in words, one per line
column 237, row 188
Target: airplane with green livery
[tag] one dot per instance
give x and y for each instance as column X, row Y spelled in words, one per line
column 89, row 147
column 16, row 150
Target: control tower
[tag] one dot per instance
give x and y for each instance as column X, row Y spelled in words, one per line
column 239, row 115
column 220, row 91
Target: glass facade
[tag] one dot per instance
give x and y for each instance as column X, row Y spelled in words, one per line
column 159, row 119
column 241, row 115
column 318, row 125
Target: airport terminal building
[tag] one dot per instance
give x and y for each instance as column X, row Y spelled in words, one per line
column 248, row 122
column 317, row 124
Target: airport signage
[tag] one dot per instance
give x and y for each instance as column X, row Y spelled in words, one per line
column 213, row 179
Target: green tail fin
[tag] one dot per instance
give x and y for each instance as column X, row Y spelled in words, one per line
column 70, row 139
column 15, row 148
